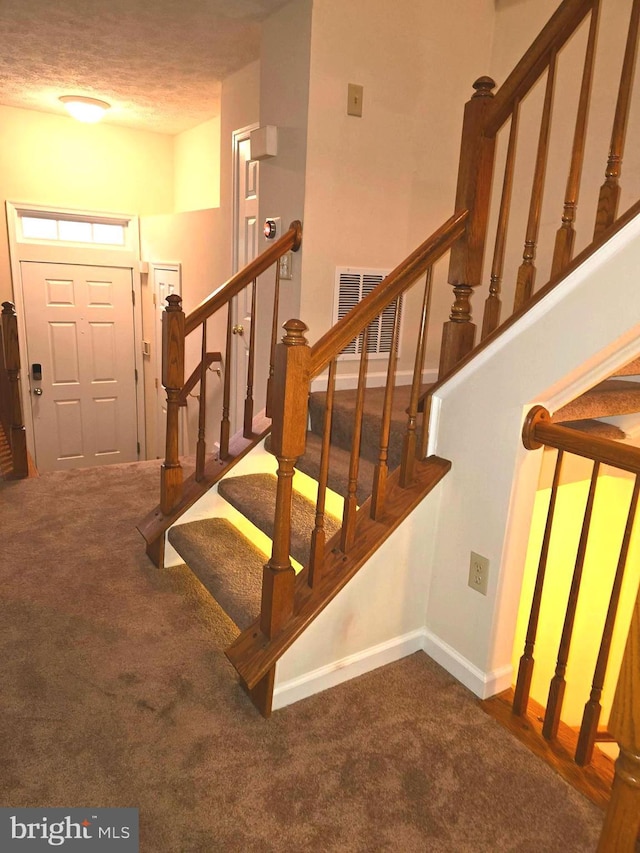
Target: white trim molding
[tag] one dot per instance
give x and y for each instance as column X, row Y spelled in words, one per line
column 483, row 684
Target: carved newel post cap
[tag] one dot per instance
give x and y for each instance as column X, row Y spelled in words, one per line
column 8, row 308
column 295, row 330
column 174, row 302
column 483, row 87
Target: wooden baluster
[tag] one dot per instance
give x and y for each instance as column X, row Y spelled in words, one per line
column 318, row 537
column 558, row 684
column 565, row 238
column 467, row 254
column 592, row 709
column 348, row 532
column 288, row 441
column 622, row 820
column 274, row 339
column 527, row 271
column 382, row 467
column 493, row 305
column 247, row 430
column 17, row 437
column 407, row 466
column 610, row 190
column 172, row 380
column 525, row 669
column 201, row 447
column 225, row 424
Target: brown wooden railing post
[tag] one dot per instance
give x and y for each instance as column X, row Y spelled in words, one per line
column 17, row 437
column 477, row 153
column 622, row 820
column 288, row 441
column 172, row 380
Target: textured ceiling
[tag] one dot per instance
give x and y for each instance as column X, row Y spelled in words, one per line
column 158, row 63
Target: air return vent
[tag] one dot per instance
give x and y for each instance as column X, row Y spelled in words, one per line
column 352, row 285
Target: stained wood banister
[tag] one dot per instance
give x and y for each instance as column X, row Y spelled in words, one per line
column 14, row 419
column 553, row 36
column 538, row 430
column 219, row 298
column 622, row 821
column 405, row 274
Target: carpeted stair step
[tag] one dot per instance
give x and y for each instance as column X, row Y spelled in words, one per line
column 600, row 429
column 225, row 563
column 254, row 495
column 608, row 398
column 342, row 421
column 631, row 369
column 339, row 459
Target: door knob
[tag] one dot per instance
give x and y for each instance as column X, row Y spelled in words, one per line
column 37, row 392
column 238, row 329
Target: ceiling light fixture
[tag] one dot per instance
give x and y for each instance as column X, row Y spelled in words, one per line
column 89, row 110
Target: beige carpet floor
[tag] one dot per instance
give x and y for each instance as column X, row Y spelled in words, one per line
column 115, row 692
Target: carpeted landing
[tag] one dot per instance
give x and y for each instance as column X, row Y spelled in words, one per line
column 116, row 692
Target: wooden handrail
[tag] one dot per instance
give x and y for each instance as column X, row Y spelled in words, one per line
column 405, row 274
column 538, row 430
column 553, row 36
column 288, row 242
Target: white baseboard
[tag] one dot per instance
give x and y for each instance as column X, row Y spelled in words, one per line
column 483, row 684
column 347, row 668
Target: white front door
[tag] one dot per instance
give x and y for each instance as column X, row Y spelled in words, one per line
column 80, row 342
column 246, row 236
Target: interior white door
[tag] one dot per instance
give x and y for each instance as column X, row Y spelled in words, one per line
column 245, row 250
column 80, row 331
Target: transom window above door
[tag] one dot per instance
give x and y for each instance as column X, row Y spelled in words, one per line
column 67, row 229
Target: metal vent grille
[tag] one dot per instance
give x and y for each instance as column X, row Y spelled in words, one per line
column 352, row 285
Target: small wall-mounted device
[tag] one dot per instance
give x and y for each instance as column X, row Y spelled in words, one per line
column 271, row 227
column 36, row 372
column 264, row 142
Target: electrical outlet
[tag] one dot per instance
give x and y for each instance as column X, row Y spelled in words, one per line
column 478, row 573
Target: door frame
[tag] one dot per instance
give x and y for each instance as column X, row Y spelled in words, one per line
column 43, row 251
column 239, row 347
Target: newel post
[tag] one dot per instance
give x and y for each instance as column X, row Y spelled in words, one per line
column 473, row 194
column 288, row 441
column 17, row 437
column 622, row 820
column 172, row 380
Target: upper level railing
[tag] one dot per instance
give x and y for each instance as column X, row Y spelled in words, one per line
column 11, row 415
column 623, row 818
column 175, row 330
column 490, row 201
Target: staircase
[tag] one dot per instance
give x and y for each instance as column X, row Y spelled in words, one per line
column 366, row 448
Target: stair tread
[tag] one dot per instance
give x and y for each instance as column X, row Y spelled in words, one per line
column 630, row 369
column 339, row 459
column 225, row 563
column 254, row 495
column 608, row 398
column 592, row 426
column 342, row 421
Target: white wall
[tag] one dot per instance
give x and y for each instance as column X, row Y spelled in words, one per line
column 377, row 618
column 54, row 160
column 197, row 167
column 377, row 186
column 573, row 338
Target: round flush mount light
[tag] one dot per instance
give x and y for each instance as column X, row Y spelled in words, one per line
column 89, row 110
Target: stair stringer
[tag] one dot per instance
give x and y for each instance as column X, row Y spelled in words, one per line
column 577, row 333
